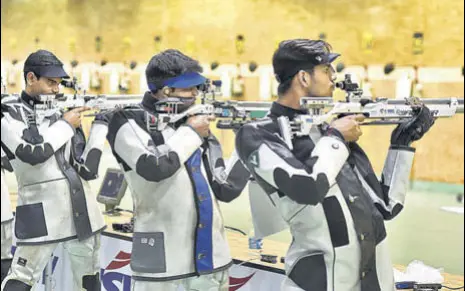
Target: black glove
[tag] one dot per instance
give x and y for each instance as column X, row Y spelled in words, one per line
column 415, row 128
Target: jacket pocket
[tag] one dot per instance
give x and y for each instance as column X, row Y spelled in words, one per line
column 148, row 253
column 30, row 221
column 309, row 273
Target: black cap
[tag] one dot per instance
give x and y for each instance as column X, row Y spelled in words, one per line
column 45, row 64
column 295, row 55
column 292, row 67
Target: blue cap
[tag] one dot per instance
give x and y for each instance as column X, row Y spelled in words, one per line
column 184, row 81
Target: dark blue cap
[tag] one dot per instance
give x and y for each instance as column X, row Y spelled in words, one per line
column 45, row 64
column 326, row 59
column 184, row 81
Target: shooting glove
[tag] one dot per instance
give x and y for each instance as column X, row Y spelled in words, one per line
column 413, row 129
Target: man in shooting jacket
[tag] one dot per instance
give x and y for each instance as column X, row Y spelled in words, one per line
column 52, row 162
column 177, row 176
column 325, row 188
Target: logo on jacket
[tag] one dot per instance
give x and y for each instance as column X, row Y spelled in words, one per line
column 112, row 277
column 23, row 262
column 238, row 283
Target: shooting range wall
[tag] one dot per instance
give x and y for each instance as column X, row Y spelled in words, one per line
column 208, row 28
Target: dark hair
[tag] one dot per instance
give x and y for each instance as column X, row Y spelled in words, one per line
column 169, row 64
column 296, row 54
column 26, row 72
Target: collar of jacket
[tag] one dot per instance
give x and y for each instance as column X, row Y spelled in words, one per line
column 278, row 110
column 149, row 101
column 29, row 100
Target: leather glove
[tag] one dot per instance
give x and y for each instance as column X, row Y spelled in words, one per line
column 415, row 128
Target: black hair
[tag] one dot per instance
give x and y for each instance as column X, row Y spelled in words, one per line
column 169, row 64
column 296, row 53
column 26, row 72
